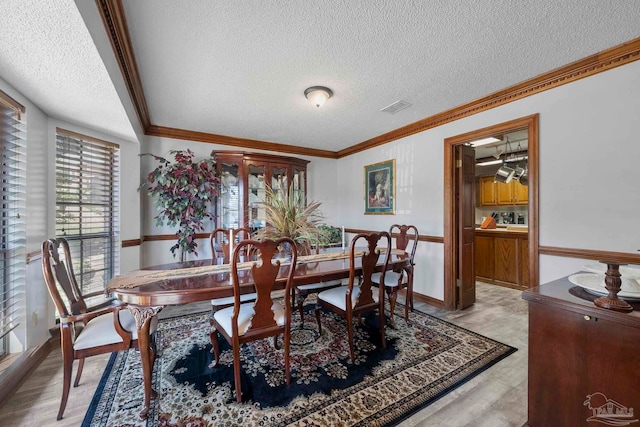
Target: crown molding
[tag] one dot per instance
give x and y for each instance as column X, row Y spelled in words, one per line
column 210, row 138
column 115, row 23
column 594, row 64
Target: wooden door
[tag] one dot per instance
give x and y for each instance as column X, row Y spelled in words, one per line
column 466, row 165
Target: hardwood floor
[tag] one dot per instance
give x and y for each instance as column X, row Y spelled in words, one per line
column 497, row 397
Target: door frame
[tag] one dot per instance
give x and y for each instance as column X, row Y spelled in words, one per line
column 531, row 123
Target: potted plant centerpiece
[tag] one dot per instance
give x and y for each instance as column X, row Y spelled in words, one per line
column 183, row 191
column 287, row 215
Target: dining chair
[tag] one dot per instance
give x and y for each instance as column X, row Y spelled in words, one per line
column 219, row 241
column 264, row 317
column 402, row 276
column 357, row 298
column 84, row 332
column 303, row 291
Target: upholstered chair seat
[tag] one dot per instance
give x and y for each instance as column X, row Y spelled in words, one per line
column 100, row 331
column 246, row 313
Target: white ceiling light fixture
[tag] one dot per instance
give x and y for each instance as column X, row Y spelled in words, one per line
column 318, row 95
column 484, row 141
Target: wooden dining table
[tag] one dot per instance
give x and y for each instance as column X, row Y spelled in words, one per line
column 148, row 299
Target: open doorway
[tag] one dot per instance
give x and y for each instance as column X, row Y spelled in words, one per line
column 459, row 231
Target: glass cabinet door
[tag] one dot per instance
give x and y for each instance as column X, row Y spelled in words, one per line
column 255, row 195
column 230, row 202
column 279, row 179
column 299, row 184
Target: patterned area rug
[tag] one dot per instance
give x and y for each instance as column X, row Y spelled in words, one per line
column 423, row 361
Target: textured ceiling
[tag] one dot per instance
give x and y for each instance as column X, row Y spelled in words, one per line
column 240, row 68
column 46, row 53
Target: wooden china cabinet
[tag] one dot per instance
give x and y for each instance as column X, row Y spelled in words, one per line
column 243, row 177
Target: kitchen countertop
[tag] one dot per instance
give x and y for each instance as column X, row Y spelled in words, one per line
column 510, row 230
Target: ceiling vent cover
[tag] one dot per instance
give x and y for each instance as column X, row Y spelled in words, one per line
column 395, row 107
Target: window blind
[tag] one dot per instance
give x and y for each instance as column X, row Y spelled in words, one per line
column 87, row 174
column 12, row 208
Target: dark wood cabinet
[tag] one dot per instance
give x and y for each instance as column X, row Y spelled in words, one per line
column 502, row 257
column 244, row 177
column 583, row 360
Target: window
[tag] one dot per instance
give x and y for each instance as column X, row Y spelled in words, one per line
column 12, row 227
column 87, row 173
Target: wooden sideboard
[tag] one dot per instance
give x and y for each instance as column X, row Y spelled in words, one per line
column 584, row 361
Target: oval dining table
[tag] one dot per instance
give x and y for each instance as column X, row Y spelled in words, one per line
column 147, row 300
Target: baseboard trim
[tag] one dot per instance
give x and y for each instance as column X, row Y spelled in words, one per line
column 428, row 300
column 13, row 377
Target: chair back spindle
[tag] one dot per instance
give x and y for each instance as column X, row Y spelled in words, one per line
column 264, row 272
column 403, row 239
column 59, row 271
column 220, row 237
column 375, row 242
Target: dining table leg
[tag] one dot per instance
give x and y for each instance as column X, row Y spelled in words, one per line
column 143, row 316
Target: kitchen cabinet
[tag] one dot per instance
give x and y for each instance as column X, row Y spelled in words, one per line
column 583, row 359
column 500, row 194
column 484, row 254
column 506, row 259
column 520, row 193
column 501, row 257
column 487, row 191
column 512, row 193
column 244, row 177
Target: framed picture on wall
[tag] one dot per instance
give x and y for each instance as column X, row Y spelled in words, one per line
column 380, row 188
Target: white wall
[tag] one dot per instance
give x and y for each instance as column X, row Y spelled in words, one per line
column 39, row 312
column 589, row 156
column 588, row 199
column 321, row 185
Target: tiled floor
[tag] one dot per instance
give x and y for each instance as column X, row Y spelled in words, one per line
column 497, row 397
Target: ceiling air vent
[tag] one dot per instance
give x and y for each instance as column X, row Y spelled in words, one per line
column 395, row 107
